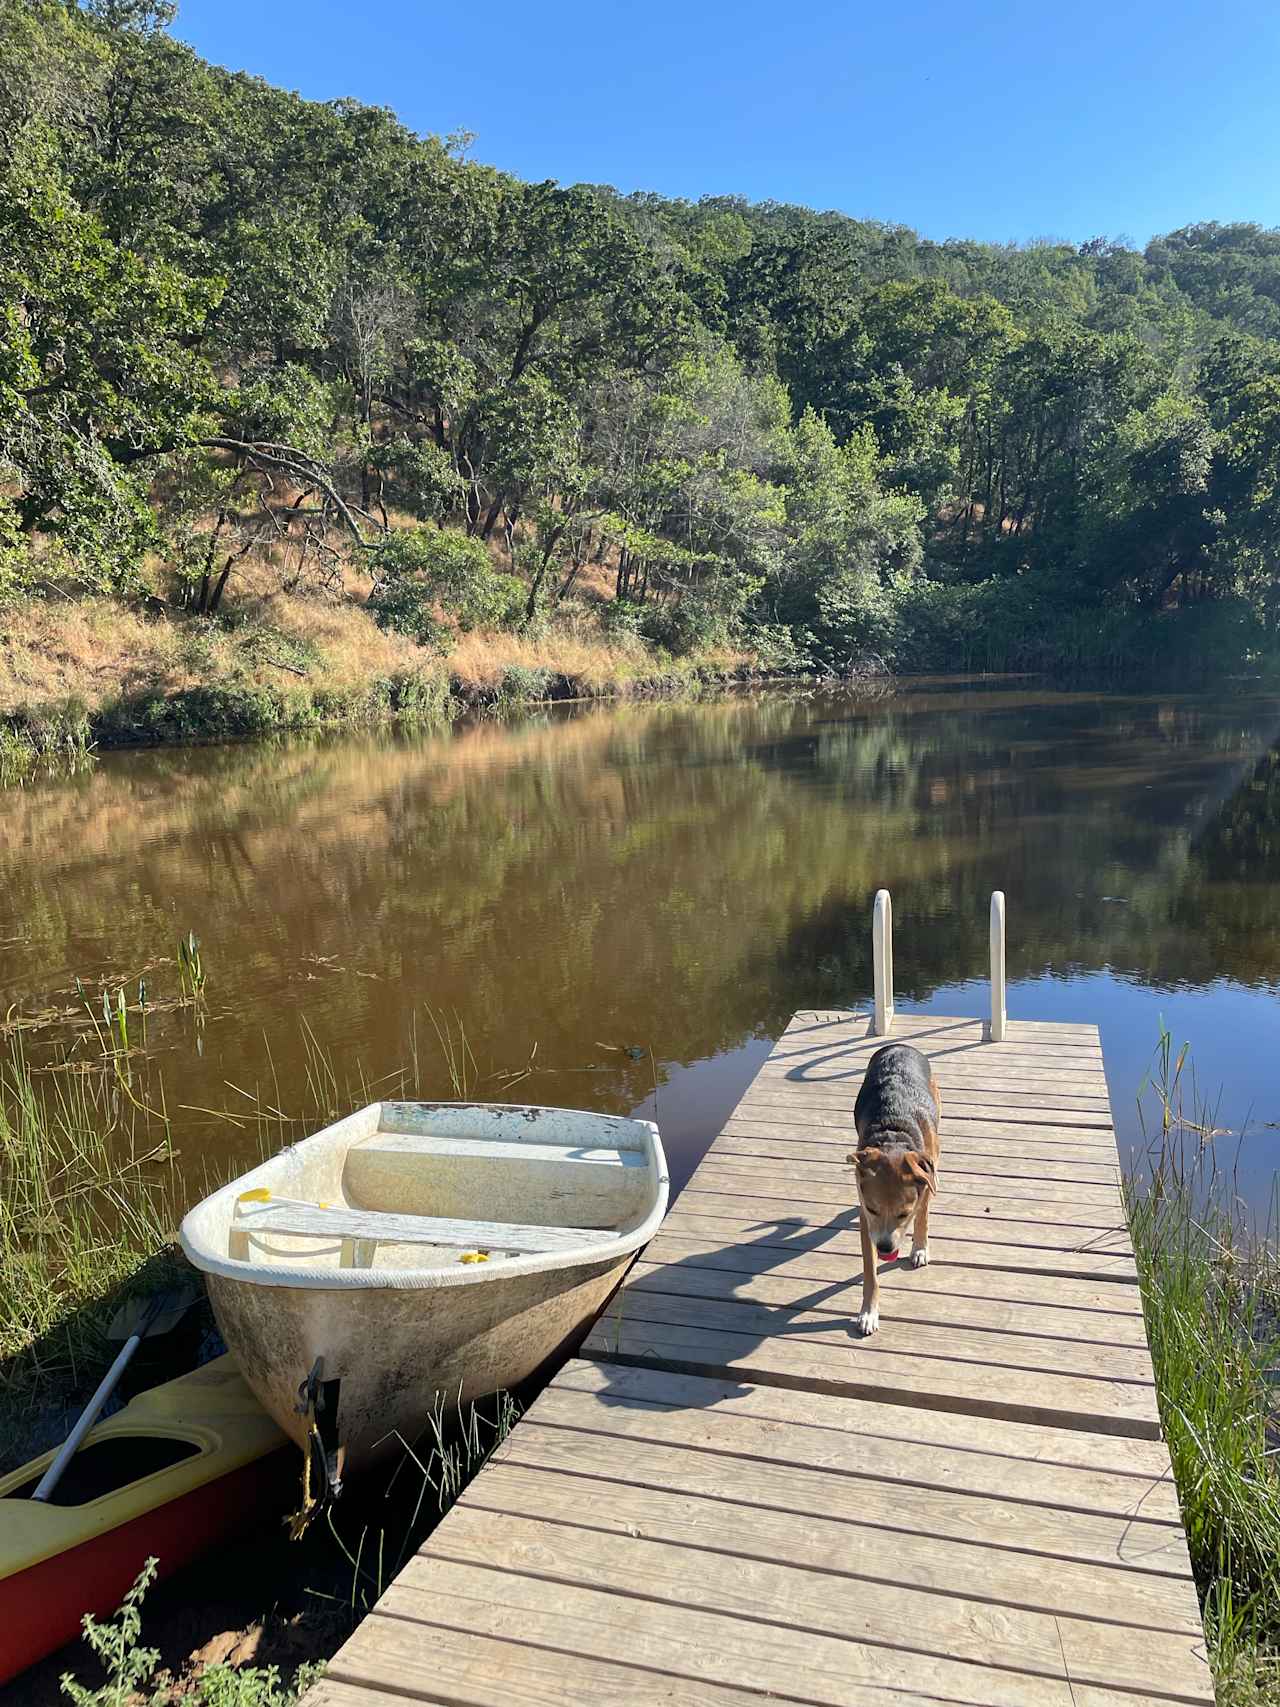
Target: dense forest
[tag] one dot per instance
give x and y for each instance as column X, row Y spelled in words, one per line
column 244, row 329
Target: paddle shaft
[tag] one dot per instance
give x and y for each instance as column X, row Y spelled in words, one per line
column 53, row 1475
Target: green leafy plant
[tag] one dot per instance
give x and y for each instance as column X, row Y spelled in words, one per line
column 131, row 1668
column 251, row 1686
column 117, row 1643
column 191, row 972
column 417, row 570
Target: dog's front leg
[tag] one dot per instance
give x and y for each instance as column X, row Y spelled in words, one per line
column 869, row 1320
column 920, row 1232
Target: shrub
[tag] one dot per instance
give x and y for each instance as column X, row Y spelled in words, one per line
column 1041, row 622
column 521, row 682
column 623, row 617
column 689, row 624
column 407, row 607
column 855, row 616
column 51, row 731
column 131, row 1668
column 416, row 570
column 417, row 476
column 783, row 649
column 414, row 696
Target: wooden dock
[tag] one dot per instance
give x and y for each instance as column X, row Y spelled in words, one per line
column 731, row 1496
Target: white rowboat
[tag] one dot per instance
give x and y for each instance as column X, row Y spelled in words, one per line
column 420, row 1250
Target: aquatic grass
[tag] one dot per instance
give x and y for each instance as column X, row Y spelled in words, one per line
column 1211, row 1289
column 457, row 1446
column 455, row 1051
column 89, row 1194
column 120, row 1017
column 509, row 1078
column 86, row 1198
column 456, row 1442
column 323, row 1096
column 112, row 1037
column 191, row 972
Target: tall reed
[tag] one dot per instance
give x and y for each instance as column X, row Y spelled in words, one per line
column 86, row 1197
column 1210, row 1276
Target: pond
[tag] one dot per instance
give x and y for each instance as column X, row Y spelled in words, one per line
column 621, row 907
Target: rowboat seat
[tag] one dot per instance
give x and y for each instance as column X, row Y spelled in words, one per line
column 489, row 1151
column 361, row 1231
column 519, row 1178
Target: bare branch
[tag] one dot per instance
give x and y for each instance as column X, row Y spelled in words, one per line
column 298, row 466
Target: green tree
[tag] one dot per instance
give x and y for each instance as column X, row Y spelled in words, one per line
column 97, row 371
column 849, row 543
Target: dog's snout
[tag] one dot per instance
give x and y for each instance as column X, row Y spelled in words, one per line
column 885, row 1247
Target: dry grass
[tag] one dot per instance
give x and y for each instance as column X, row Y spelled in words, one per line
column 98, row 651
column 352, row 646
column 480, row 662
column 302, row 653
column 563, row 662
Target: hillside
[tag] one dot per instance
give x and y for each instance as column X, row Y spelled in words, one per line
column 264, row 357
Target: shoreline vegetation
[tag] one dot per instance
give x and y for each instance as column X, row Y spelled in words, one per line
column 1210, row 1278
column 86, row 676
column 92, row 676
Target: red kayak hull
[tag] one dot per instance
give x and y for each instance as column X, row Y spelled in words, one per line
column 41, row 1607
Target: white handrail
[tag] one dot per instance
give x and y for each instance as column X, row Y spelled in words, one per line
column 999, row 1017
column 882, row 962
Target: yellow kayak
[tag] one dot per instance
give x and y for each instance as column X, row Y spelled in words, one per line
column 181, row 1467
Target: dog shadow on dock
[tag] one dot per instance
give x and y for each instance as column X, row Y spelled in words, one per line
column 698, row 1315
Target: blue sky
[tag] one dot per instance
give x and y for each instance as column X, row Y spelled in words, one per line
column 991, row 119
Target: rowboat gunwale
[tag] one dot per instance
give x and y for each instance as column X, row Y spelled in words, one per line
column 217, row 1210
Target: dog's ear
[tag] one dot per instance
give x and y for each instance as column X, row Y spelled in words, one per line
column 922, row 1167
column 867, row 1159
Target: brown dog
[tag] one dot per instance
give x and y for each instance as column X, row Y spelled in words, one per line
column 896, row 1115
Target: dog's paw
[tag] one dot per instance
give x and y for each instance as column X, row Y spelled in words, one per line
column 869, row 1321
column 920, row 1257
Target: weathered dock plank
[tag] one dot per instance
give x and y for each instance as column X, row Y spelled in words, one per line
column 731, row 1495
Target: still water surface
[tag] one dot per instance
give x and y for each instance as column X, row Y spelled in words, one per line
column 618, row 896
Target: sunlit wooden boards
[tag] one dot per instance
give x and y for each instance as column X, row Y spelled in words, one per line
column 733, row 1497
column 654, row 1537
column 1029, row 1309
